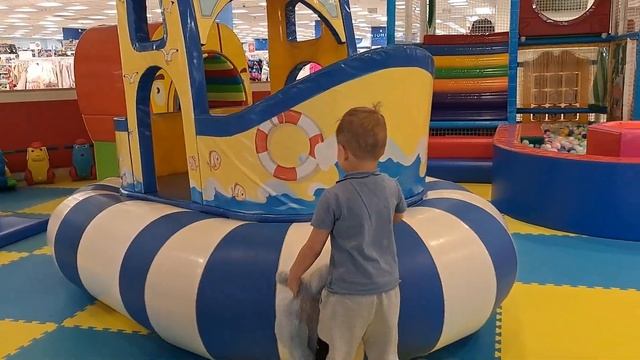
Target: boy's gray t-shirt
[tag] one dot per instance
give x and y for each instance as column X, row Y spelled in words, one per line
column 358, row 211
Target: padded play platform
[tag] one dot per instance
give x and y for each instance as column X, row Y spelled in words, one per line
column 14, row 228
column 555, row 311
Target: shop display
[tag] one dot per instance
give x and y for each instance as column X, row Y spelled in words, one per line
column 255, row 69
column 36, row 68
column 258, row 65
column 42, row 73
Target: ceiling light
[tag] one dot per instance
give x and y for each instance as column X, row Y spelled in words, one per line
column 65, row 14
column 97, row 17
column 86, row 21
column 25, row 10
column 49, row 4
column 110, row 11
column 77, row 7
column 18, row 16
column 46, row 23
column 239, row 11
column 484, row 11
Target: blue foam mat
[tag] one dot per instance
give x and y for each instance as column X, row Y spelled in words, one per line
column 14, row 228
column 461, row 170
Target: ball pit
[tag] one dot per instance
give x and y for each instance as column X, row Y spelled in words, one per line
column 563, row 138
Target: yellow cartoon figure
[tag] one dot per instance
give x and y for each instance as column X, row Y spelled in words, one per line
column 38, row 167
column 161, row 94
column 238, row 192
column 215, row 161
column 193, row 163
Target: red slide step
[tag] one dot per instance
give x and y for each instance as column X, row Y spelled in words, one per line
column 460, row 147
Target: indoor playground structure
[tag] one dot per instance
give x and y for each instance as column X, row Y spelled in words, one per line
column 215, row 191
column 512, row 130
column 573, row 67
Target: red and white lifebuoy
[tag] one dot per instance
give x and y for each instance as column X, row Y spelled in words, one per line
column 262, row 148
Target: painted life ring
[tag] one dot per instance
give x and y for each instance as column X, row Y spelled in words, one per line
column 314, row 136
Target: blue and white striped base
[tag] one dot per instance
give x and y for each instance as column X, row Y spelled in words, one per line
column 209, row 284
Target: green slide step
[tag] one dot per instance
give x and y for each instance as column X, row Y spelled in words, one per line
column 471, row 73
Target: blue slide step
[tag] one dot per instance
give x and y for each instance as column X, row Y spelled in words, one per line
column 466, row 124
column 14, row 228
column 461, row 170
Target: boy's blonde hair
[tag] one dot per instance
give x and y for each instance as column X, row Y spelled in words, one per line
column 363, row 132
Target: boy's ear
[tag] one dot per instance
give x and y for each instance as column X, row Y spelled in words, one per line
column 345, row 152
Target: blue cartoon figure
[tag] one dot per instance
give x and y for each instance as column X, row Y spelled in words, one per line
column 83, row 164
column 6, row 181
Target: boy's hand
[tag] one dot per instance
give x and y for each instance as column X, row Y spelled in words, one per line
column 293, row 283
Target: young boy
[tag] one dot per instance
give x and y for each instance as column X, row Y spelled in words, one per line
column 362, row 300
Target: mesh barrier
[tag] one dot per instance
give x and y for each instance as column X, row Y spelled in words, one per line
column 459, row 17
column 410, row 21
column 625, row 16
column 630, row 81
column 563, row 10
column 462, row 132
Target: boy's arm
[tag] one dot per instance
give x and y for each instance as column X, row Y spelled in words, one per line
column 401, row 205
column 306, row 257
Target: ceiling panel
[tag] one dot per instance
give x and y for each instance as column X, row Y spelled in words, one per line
column 46, row 18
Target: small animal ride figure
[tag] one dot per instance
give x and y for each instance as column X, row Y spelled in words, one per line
column 83, row 166
column 6, row 181
column 38, row 170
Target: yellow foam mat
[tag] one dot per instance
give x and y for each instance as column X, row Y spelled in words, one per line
column 516, row 226
column 7, row 257
column 101, row 317
column 482, row 190
column 44, row 208
column 542, row 322
column 65, row 182
column 18, row 334
column 45, row 250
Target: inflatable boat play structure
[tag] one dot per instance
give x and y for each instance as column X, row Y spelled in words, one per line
column 216, row 191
